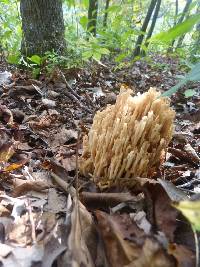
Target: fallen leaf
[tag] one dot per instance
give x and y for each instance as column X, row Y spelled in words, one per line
column 182, row 254
column 27, row 186
column 191, row 210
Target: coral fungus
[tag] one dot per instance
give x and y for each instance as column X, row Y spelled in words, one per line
column 128, row 139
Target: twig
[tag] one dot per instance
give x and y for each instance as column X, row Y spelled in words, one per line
column 64, row 185
column 107, row 199
column 68, row 86
column 196, row 246
column 76, row 179
column 33, row 234
column 72, row 94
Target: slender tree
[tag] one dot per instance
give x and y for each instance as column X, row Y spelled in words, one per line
column 153, row 23
column 43, row 26
column 170, row 49
column 197, row 41
column 144, row 28
column 106, row 14
column 185, row 10
column 92, row 17
column 180, row 20
column 184, row 15
column 176, row 12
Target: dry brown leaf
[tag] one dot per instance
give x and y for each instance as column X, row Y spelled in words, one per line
column 69, row 163
column 165, row 215
column 152, row 255
column 6, row 152
column 27, row 186
column 4, row 211
column 118, row 232
column 184, row 256
column 79, row 237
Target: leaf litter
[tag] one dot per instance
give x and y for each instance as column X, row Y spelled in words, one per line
column 45, row 220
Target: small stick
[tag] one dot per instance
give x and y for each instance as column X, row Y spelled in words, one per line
column 68, row 86
column 72, row 94
column 64, row 185
column 90, row 198
column 196, row 245
column 76, row 179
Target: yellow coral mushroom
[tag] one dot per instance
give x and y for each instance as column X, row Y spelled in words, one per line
column 127, row 139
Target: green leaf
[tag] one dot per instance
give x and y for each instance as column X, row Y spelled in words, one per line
column 84, row 22
column 189, row 93
column 87, row 55
column 5, row 1
column 35, row 72
column 120, row 57
column 176, row 31
column 104, row 51
column 191, row 210
column 97, row 56
column 114, row 8
column 193, row 75
column 13, row 59
column 36, row 59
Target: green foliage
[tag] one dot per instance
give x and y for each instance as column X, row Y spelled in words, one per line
column 193, row 75
column 177, row 31
column 10, row 28
column 189, row 93
column 191, row 210
column 117, row 39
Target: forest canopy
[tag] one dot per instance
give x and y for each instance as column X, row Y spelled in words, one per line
column 94, row 29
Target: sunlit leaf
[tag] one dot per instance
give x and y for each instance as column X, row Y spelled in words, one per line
column 191, row 210
column 97, row 56
column 189, row 93
column 14, row 166
column 104, row 51
column 87, row 54
column 13, row 59
column 176, row 31
column 35, row 59
column 84, row 22
column 6, row 152
column 193, row 75
column 114, row 8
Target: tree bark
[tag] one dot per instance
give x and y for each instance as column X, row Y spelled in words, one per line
column 43, row 27
column 185, row 10
column 106, row 14
column 170, row 49
column 92, row 17
column 144, row 27
column 153, row 23
column 185, row 13
column 176, row 13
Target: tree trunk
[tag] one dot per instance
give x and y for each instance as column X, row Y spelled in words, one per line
column 153, row 23
column 43, row 26
column 170, row 49
column 92, row 17
column 144, row 27
column 185, row 13
column 176, row 13
column 185, row 10
column 106, row 14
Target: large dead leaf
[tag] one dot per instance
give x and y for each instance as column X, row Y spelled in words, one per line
column 165, row 215
column 184, row 256
column 127, row 245
column 80, row 229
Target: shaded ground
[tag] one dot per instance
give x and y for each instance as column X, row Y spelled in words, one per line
column 39, row 222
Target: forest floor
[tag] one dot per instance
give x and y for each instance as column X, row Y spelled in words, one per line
column 40, row 122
